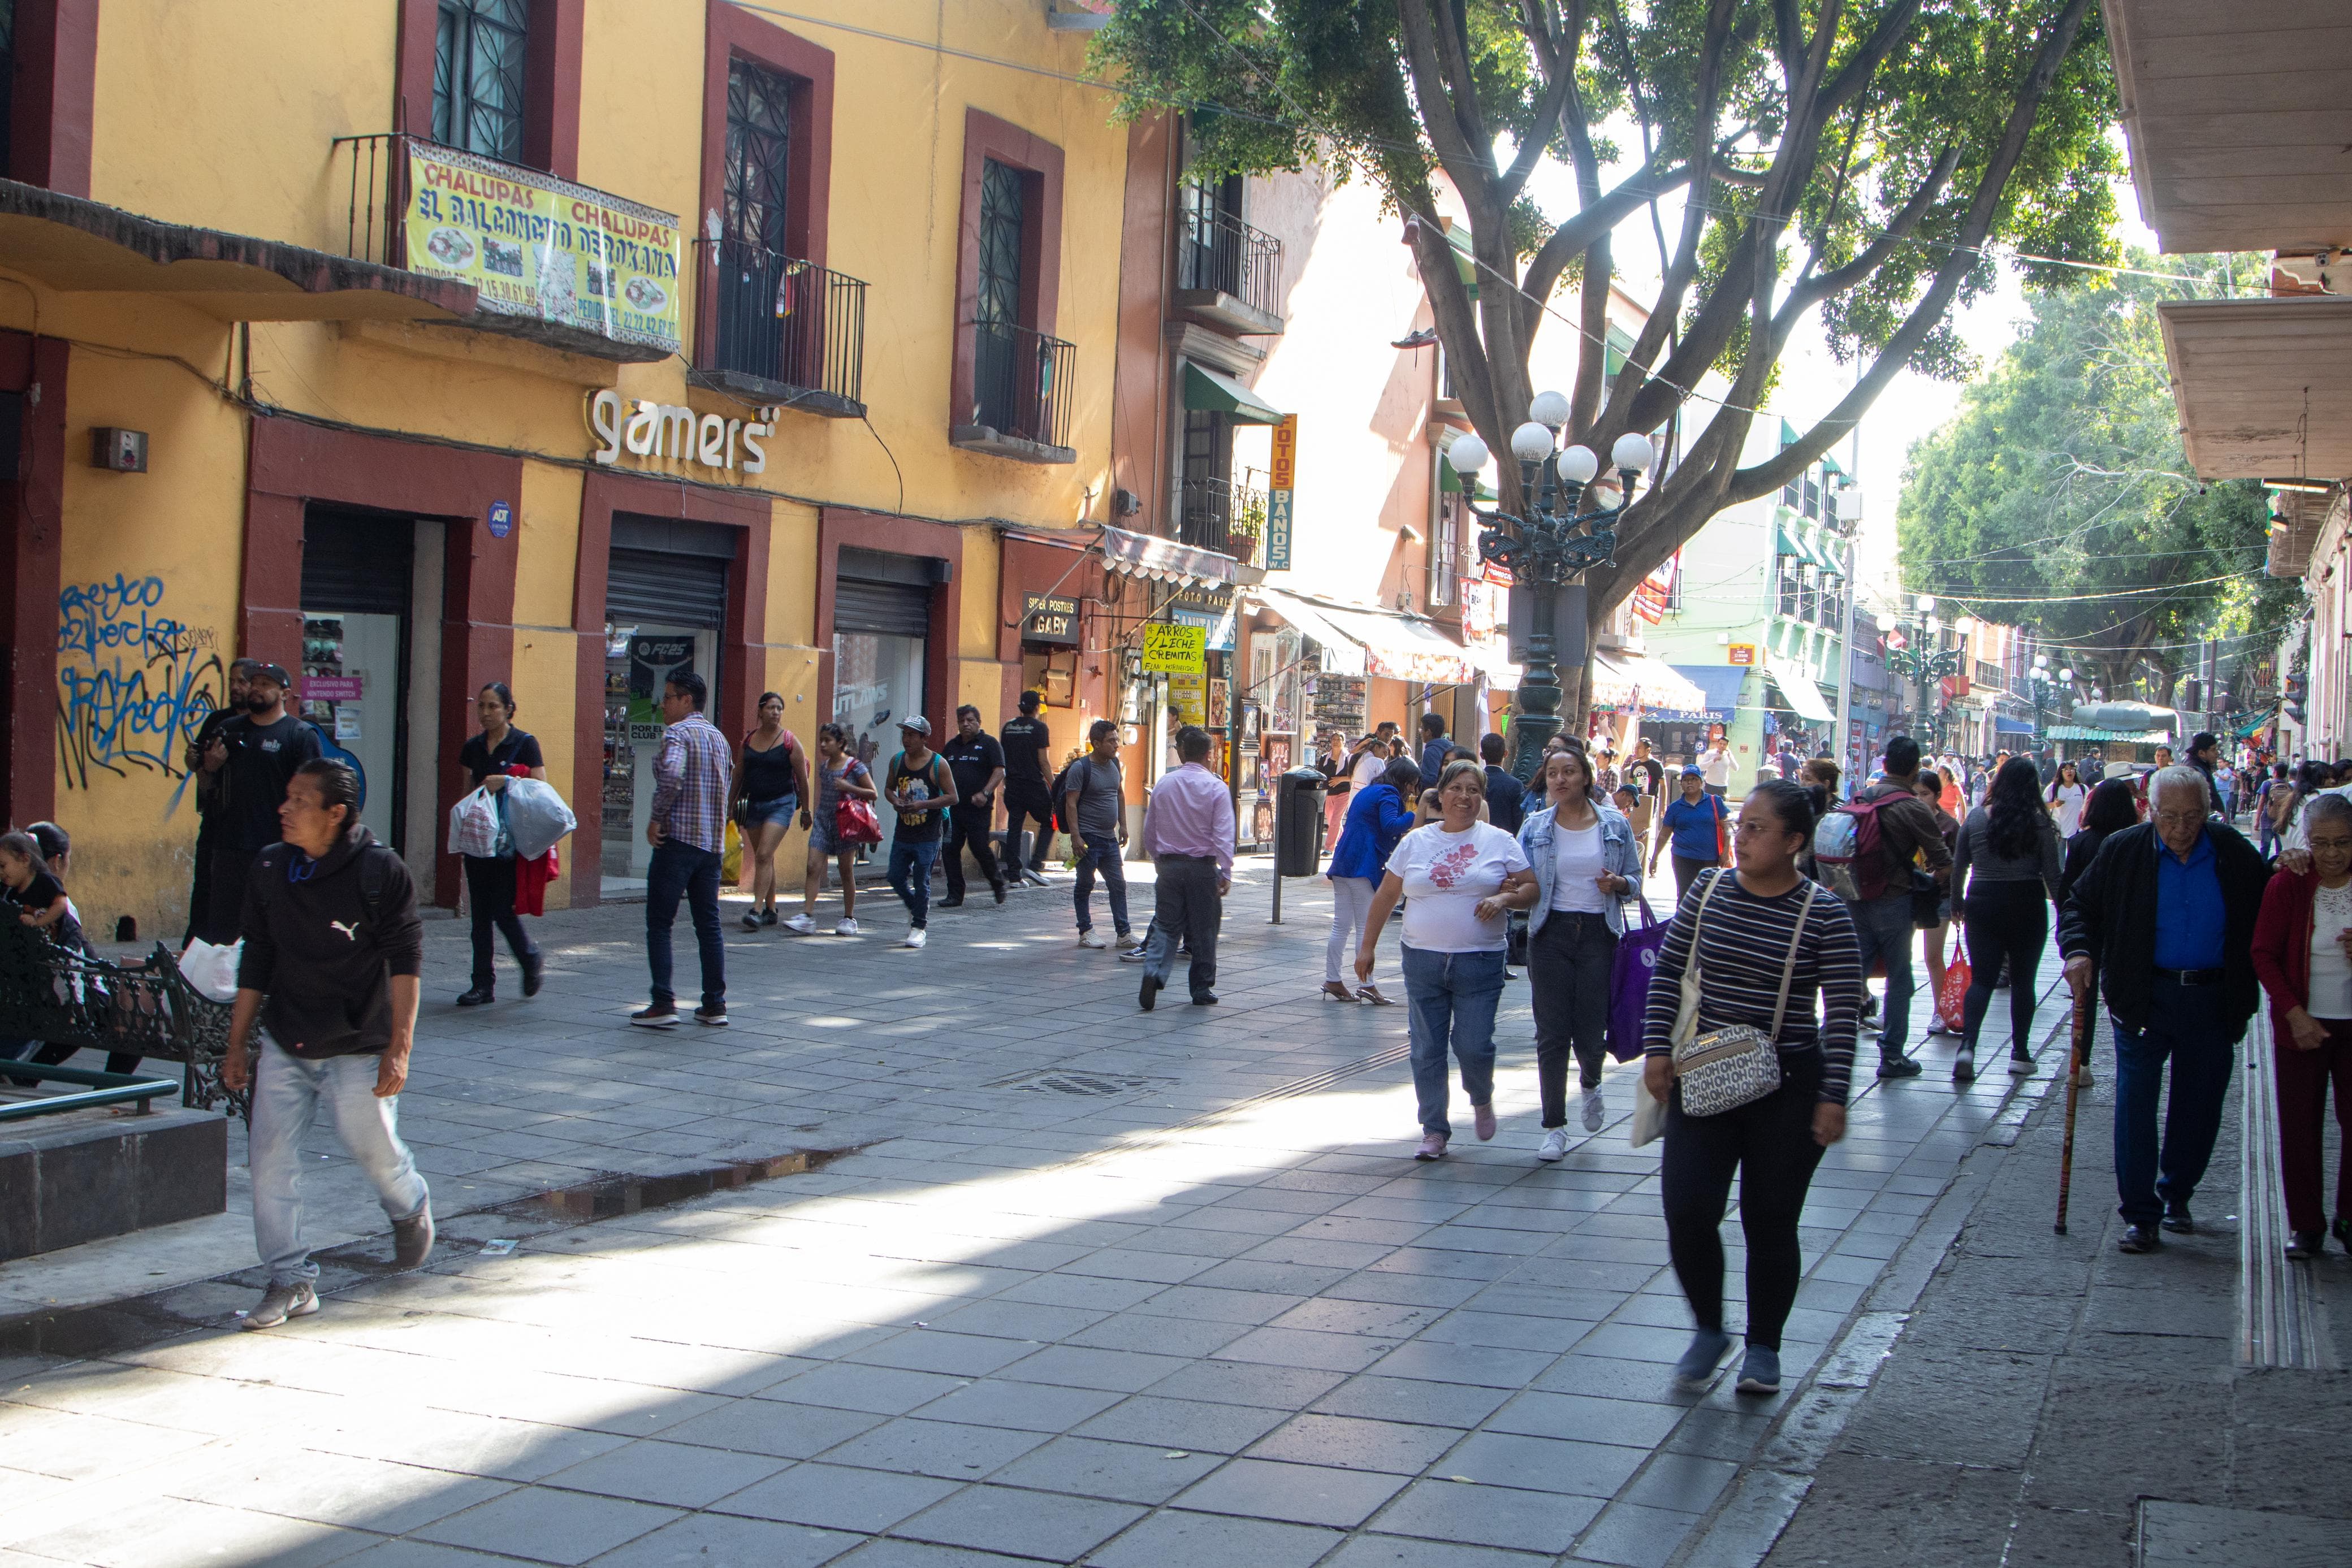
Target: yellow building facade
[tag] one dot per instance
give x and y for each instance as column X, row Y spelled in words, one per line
column 418, row 344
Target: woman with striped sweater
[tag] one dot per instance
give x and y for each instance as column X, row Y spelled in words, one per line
column 1752, row 915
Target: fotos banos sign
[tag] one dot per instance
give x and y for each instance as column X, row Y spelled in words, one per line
column 541, row 247
column 659, row 430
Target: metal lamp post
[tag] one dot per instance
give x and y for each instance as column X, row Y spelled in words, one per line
column 1548, row 546
column 1917, row 661
column 2047, row 686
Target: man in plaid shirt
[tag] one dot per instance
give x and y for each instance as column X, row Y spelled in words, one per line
column 688, row 830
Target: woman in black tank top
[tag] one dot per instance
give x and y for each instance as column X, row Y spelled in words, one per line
column 770, row 786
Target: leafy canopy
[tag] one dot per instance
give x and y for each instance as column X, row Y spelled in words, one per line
column 2064, row 479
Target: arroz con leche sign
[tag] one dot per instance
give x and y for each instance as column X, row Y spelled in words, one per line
column 537, row 247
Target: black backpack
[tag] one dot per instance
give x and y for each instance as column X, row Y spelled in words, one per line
column 372, row 876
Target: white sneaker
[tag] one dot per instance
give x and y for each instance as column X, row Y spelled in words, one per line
column 1088, row 939
column 1555, row 1144
column 915, row 938
column 800, row 926
column 846, row 928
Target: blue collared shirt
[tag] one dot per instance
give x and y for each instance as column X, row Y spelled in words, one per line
column 2190, row 919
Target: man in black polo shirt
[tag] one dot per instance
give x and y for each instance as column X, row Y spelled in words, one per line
column 978, row 764
column 1028, row 770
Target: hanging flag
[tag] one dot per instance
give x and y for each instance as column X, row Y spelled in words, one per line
column 1655, row 592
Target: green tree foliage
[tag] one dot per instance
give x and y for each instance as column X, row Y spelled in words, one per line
column 2060, row 498
column 1848, row 160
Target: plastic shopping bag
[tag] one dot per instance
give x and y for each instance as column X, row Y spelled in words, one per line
column 730, row 858
column 474, row 826
column 212, row 970
column 1649, row 1115
column 1952, row 997
column 537, row 818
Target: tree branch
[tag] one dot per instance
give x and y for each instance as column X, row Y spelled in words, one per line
column 1456, row 153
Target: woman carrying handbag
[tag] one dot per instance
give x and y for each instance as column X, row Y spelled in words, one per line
column 1752, row 1080
column 1586, row 867
column 842, row 821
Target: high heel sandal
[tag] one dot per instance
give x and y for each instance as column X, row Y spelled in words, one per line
column 1370, row 995
column 1333, row 992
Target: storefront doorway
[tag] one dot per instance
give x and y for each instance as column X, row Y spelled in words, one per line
column 664, row 609
column 881, row 645
column 358, row 595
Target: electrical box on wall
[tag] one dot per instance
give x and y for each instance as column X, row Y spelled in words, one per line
column 118, row 451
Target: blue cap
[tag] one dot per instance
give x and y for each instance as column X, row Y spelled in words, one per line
column 1692, row 770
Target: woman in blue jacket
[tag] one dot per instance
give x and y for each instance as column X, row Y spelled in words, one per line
column 1581, row 851
column 1379, row 816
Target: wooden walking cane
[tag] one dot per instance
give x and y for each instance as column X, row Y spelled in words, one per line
column 2077, row 1047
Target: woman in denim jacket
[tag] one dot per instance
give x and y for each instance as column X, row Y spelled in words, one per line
column 1586, row 867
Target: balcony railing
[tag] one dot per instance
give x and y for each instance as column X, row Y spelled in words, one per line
column 581, row 304
column 782, row 328
column 1021, row 394
column 1224, row 515
column 1217, row 253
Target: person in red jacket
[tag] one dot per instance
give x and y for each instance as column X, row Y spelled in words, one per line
column 2303, row 954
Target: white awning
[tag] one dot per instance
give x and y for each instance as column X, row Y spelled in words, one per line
column 1622, row 680
column 1164, row 560
column 1342, row 654
column 1799, row 688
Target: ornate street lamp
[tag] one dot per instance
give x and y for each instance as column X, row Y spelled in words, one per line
column 1549, row 544
column 2047, row 686
column 1921, row 661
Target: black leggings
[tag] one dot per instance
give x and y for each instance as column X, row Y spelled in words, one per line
column 490, row 886
column 2005, row 921
column 1769, row 1144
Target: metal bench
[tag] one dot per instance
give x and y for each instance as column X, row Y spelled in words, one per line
column 144, row 1007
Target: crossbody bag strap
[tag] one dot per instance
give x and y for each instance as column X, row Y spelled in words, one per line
column 1789, row 964
column 1699, row 920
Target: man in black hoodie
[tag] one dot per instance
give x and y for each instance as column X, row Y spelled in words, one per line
column 333, row 943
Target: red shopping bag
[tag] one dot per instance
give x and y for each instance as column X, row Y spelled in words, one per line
column 1952, row 996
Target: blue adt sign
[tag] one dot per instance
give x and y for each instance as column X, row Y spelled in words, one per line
column 501, row 519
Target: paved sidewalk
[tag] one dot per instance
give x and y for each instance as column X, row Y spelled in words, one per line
column 1184, row 1298
column 2054, row 1400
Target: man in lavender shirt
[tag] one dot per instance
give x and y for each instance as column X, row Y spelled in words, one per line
column 1189, row 834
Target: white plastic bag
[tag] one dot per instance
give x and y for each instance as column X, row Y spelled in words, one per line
column 537, row 818
column 1649, row 1115
column 474, row 826
column 213, row 971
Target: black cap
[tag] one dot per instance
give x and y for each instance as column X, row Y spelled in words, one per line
column 271, row 671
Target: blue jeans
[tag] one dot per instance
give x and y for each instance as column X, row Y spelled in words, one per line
column 910, row 876
column 1450, row 999
column 287, row 1091
column 1101, row 853
column 2184, row 1025
column 1884, row 927
column 679, row 868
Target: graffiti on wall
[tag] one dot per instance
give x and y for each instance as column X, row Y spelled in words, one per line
column 134, row 682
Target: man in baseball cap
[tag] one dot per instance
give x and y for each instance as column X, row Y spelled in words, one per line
column 255, row 756
column 918, row 785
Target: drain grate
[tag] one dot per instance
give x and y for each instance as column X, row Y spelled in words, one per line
column 1092, row 1085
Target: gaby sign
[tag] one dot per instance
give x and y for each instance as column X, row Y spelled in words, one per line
column 645, row 429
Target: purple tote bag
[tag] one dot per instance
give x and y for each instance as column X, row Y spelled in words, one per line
column 1629, row 982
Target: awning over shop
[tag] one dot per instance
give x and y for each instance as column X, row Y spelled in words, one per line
column 1342, row 654
column 1721, row 683
column 2011, row 726
column 1398, row 647
column 1206, row 392
column 1802, row 696
column 2259, row 385
column 1621, row 680
column 1164, row 560
column 2108, row 736
column 1793, row 543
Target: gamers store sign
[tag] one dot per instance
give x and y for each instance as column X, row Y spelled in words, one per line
column 643, row 429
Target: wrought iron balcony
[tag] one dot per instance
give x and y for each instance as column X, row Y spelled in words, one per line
column 1224, row 515
column 581, row 271
column 775, row 329
column 1022, row 383
column 1227, row 273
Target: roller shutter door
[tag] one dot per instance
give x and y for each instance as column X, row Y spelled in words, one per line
column 892, row 609
column 360, row 565
column 666, row 589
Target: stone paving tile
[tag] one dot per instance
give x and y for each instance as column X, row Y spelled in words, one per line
column 1298, row 1494
column 837, row 1497
column 1175, row 1540
column 718, row 1539
column 1357, row 1443
column 944, row 1449
column 1185, row 1424
column 1023, row 1406
column 665, row 1472
column 546, row 1526
column 1029, row 1523
column 1447, row 1510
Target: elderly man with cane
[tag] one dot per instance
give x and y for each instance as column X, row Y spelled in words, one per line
column 2166, row 910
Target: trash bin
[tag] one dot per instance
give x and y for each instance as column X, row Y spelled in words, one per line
column 1299, row 823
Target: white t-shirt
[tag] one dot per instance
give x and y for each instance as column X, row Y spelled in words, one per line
column 1579, row 856
column 2331, row 973
column 1369, row 765
column 1718, row 766
column 1445, row 876
column 2069, row 809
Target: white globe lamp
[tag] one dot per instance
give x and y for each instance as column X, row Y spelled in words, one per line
column 1577, row 466
column 1548, row 408
column 1468, row 455
column 1632, row 452
column 1531, row 442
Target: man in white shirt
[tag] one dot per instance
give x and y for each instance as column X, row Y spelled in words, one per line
column 1714, row 765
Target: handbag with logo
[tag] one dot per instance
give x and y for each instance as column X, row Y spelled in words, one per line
column 1725, row 1068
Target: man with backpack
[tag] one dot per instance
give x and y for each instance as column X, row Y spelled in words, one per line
column 1089, row 792
column 1864, row 852
column 333, row 951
